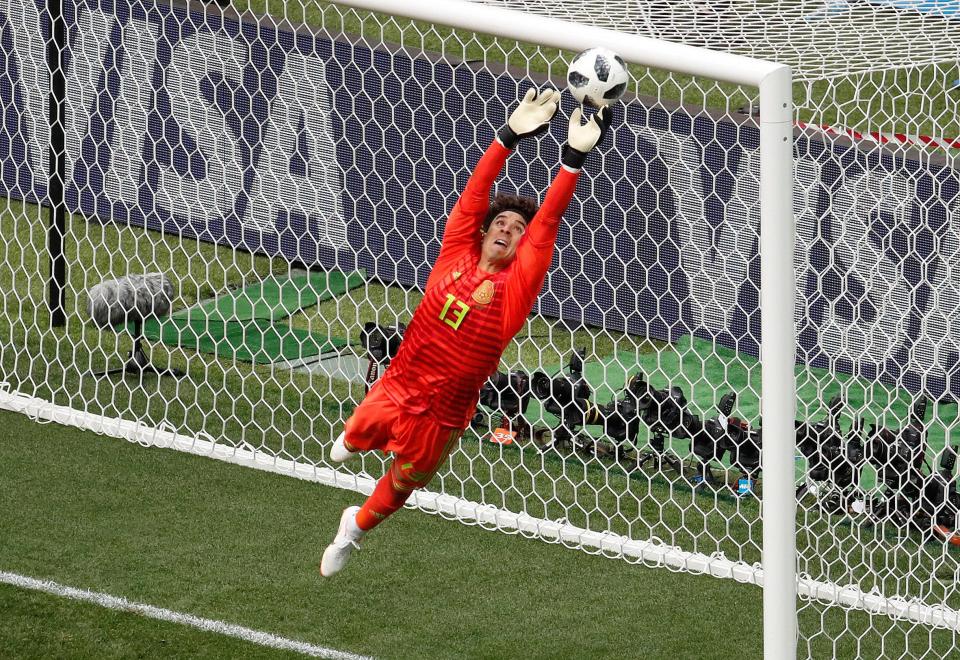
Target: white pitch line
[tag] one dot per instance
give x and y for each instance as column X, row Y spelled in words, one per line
column 209, row 625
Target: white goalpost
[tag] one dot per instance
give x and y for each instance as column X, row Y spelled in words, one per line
column 755, row 288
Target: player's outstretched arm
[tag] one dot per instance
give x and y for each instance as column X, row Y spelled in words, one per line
column 582, row 138
column 536, row 251
column 531, row 117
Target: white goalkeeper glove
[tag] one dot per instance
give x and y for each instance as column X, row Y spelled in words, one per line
column 581, row 138
column 531, row 117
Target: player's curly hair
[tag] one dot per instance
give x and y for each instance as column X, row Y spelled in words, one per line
column 525, row 206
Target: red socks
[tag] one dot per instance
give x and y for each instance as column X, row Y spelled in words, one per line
column 386, row 499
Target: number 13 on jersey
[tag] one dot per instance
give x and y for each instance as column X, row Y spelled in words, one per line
column 454, row 317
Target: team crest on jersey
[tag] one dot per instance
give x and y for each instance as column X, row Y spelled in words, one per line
column 483, row 294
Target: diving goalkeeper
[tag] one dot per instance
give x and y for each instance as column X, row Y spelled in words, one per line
column 491, row 267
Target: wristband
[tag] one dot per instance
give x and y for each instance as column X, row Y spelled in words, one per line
column 572, row 158
column 507, row 137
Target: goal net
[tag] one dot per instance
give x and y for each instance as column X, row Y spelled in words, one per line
column 288, row 168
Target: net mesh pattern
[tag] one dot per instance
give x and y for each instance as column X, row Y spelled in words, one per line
column 288, row 169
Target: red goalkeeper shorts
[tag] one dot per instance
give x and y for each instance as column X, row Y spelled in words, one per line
column 420, row 445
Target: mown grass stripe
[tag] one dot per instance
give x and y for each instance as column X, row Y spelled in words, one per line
column 210, row 625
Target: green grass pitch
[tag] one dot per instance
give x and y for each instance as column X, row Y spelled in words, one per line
column 228, row 543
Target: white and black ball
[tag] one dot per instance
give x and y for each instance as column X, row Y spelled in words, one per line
column 597, row 76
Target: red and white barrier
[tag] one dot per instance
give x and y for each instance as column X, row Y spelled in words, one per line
column 883, row 138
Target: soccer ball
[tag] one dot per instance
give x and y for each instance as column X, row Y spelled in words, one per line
column 597, row 76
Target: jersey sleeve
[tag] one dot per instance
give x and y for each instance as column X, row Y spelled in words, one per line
column 461, row 235
column 536, row 251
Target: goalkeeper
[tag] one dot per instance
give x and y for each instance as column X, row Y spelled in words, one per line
column 491, row 267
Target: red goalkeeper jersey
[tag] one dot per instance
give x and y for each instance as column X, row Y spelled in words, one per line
column 467, row 315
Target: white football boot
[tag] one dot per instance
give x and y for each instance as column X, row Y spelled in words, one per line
column 346, row 541
column 339, row 452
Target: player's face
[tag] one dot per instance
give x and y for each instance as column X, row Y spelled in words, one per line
column 500, row 242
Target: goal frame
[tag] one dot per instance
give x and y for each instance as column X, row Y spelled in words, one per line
column 777, row 236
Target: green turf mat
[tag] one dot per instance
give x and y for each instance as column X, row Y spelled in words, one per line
column 240, row 325
column 275, row 298
column 258, row 341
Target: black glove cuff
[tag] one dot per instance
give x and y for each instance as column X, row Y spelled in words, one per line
column 507, row 137
column 572, row 158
